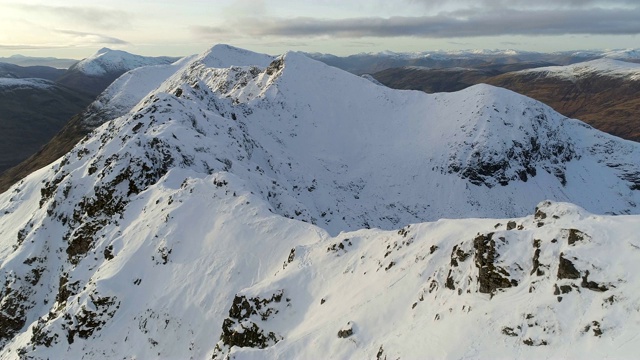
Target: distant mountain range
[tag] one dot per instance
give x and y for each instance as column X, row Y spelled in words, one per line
column 38, row 61
column 369, row 63
column 22, row 72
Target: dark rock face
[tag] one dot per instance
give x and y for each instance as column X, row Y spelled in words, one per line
column 490, row 277
column 566, row 269
column 240, row 328
column 576, row 236
column 592, row 285
column 346, row 332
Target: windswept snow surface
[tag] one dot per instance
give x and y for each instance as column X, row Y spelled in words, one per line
column 263, row 210
column 600, row 67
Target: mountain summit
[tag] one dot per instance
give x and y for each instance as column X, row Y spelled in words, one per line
column 279, row 203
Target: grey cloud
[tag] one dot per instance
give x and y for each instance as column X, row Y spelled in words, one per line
column 537, row 4
column 458, row 24
column 360, row 44
column 93, row 38
column 94, row 17
column 29, row 47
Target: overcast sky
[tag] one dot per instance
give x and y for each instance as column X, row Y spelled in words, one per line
column 76, row 29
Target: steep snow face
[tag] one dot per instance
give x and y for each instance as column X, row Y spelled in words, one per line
column 113, row 61
column 165, row 228
column 600, row 67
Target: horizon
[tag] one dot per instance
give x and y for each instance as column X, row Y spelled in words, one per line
column 70, row 29
column 461, row 51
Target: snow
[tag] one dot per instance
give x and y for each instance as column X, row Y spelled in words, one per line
column 333, row 203
column 599, row 67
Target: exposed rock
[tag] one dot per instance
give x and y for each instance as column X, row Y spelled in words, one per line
column 576, row 236
column 490, row 277
column 346, row 331
column 592, row 285
column 566, row 269
column 240, row 329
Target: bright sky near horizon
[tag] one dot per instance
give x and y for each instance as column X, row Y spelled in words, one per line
column 76, row 29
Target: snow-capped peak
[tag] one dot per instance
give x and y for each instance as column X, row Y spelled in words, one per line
column 106, row 61
column 224, row 56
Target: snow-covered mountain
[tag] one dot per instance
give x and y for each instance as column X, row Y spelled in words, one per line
column 98, row 71
column 111, row 61
column 261, row 207
column 600, row 67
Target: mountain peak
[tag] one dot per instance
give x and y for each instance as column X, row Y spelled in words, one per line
column 224, row 56
column 104, row 50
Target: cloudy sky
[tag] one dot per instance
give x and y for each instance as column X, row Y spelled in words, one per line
column 76, row 29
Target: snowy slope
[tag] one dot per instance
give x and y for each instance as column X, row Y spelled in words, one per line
column 600, row 67
column 150, row 231
column 113, row 61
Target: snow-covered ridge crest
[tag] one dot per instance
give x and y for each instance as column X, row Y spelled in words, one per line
column 253, row 179
column 599, row 67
